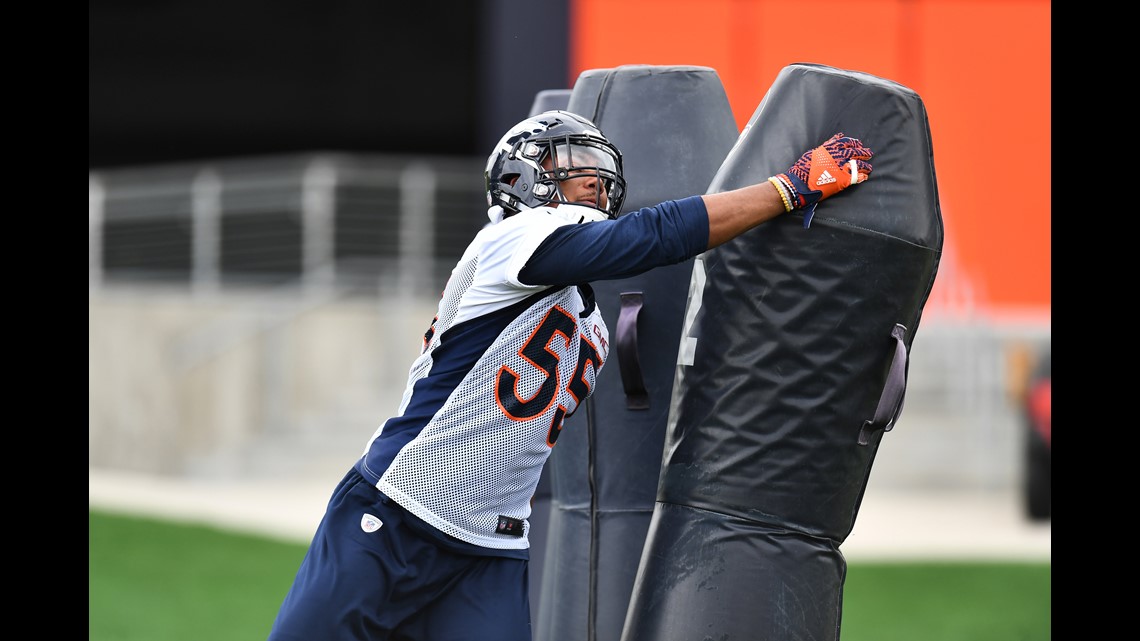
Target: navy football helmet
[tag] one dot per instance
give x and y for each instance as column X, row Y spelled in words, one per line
column 516, row 176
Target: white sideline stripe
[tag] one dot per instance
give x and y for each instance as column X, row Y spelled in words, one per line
column 928, row 525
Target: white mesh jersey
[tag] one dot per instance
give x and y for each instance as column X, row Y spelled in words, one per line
column 502, row 365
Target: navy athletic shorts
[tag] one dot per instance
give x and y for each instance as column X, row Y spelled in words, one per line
column 371, row 575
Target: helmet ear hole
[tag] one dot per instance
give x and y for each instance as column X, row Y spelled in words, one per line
column 510, row 179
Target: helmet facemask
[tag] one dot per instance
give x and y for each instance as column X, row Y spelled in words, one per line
column 573, row 158
column 551, row 159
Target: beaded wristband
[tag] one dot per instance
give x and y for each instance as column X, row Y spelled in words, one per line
column 793, row 195
column 780, row 190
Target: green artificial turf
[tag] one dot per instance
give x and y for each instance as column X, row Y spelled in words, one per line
column 153, row 580
column 947, row 601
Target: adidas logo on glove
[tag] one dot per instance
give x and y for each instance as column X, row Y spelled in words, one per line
column 825, row 178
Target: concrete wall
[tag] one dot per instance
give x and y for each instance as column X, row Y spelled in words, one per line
column 287, row 383
column 185, row 385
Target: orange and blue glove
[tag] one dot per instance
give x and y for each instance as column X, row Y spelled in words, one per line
column 822, row 172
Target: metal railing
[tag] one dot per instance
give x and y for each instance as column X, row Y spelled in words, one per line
column 368, row 223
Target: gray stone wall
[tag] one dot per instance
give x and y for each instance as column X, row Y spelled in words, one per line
column 288, row 383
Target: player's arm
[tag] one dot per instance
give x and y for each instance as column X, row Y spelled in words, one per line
column 674, row 230
column 838, row 163
column 664, row 234
column 732, row 213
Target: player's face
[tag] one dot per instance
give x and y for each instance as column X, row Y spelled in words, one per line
column 582, row 185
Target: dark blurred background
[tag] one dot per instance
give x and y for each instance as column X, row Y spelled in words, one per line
column 181, row 80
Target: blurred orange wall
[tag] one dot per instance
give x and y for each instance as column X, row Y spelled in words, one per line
column 981, row 67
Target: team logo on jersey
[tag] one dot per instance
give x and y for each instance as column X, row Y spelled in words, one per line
column 509, row 526
column 370, row 523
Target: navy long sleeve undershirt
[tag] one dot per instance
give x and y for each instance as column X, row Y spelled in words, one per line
column 665, row 234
